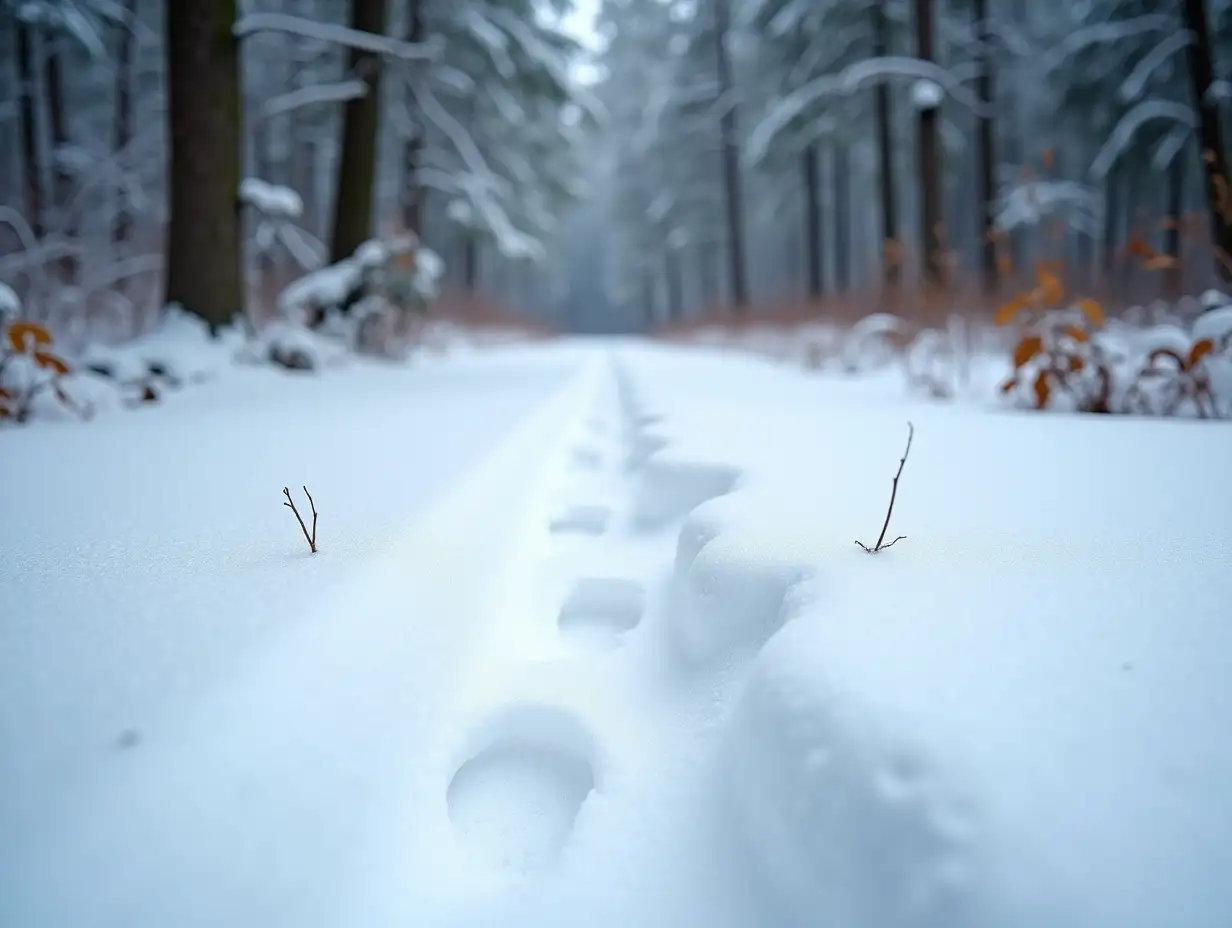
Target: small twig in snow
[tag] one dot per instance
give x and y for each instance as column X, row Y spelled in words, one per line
column 290, row 504
column 881, row 542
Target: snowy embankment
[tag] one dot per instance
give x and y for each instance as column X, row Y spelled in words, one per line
column 629, row 669
column 1014, row 717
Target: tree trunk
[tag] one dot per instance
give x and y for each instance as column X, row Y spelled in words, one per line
column 470, row 263
column 885, row 151
column 929, row 160
column 122, row 225
column 32, row 182
column 1174, row 278
column 708, row 273
column 986, row 129
column 361, row 120
column 811, row 171
column 61, row 177
column 412, row 193
column 203, row 233
column 1210, row 132
column 675, row 286
column 729, row 129
column 840, row 177
column 1112, row 220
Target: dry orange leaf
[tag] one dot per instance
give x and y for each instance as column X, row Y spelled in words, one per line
column 1077, row 333
column 1027, row 349
column 1009, row 312
column 50, row 361
column 1052, row 290
column 1042, row 390
column 1009, row 385
column 24, row 335
column 1092, row 310
column 1138, row 247
column 1076, row 363
column 1200, row 350
column 1159, row 263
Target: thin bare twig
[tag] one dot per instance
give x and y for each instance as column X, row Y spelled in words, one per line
column 881, row 542
column 290, row 504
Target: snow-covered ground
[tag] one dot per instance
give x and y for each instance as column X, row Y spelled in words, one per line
column 589, row 641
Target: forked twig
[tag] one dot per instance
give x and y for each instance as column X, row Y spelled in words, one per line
column 290, row 504
column 881, row 542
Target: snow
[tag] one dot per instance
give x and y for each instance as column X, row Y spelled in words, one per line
column 10, row 305
column 589, row 638
column 273, row 200
column 927, row 95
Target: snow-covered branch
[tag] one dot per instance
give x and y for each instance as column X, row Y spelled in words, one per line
column 336, row 92
column 1125, row 130
column 255, row 23
column 1152, row 62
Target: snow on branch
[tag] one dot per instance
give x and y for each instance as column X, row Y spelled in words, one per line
column 1125, row 130
column 254, row 23
column 272, row 200
column 67, row 18
column 849, row 80
column 1152, row 62
column 1105, row 34
column 336, row 92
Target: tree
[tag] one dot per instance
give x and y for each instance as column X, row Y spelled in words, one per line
column 885, row 146
column 361, row 118
column 986, row 129
column 729, row 128
column 928, row 147
column 1210, row 133
column 204, row 267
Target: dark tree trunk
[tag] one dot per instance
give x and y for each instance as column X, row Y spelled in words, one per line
column 986, row 128
column 360, row 122
column 885, row 150
column 648, row 300
column 1172, row 231
column 840, row 176
column 1210, row 132
column 412, row 192
column 203, row 234
column 810, row 168
column 32, row 183
column 729, row 128
column 708, row 274
column 674, row 283
column 470, row 263
column 62, row 184
column 929, row 148
column 1112, row 221
column 122, row 226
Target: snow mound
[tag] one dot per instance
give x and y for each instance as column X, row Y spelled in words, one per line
column 897, row 772
column 180, row 350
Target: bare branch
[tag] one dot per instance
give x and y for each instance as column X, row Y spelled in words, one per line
column 290, row 504
column 881, row 545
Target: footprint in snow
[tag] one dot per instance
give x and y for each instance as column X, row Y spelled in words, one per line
column 514, row 801
column 599, row 610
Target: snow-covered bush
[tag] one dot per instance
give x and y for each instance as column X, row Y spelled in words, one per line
column 373, row 301
column 1067, row 356
column 874, row 342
